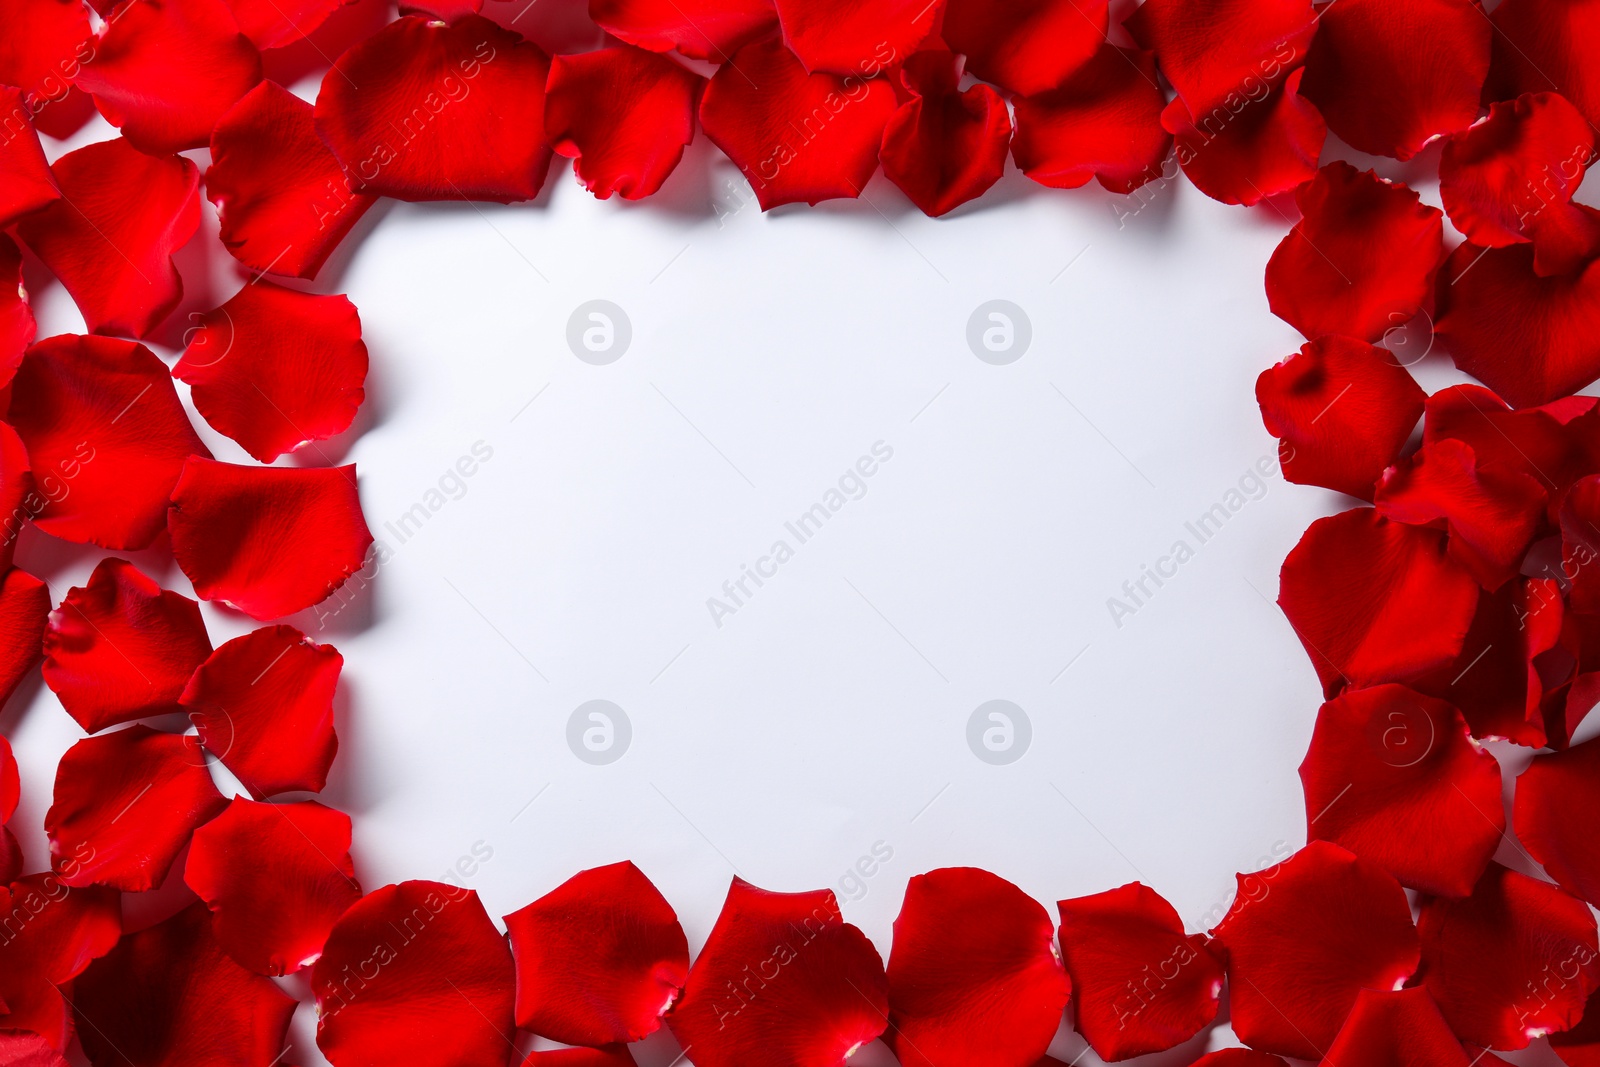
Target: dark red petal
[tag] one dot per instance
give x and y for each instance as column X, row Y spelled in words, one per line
column 1350, row 928
column 796, row 137
column 1394, row 777
column 122, row 647
column 101, row 415
column 125, row 805
column 26, row 183
column 1362, row 259
column 610, row 1056
column 1580, row 1046
column 422, row 110
column 415, row 973
column 10, row 783
column 283, row 199
column 269, row 541
column 1238, row 1057
column 1219, row 52
column 276, row 23
column 17, row 328
column 783, row 981
column 700, row 29
column 19, row 496
column 1342, row 410
column 1514, row 961
column 165, row 71
column 944, row 147
column 263, row 705
column 600, row 958
column 848, row 37
column 1103, row 122
column 276, row 877
column 1557, row 815
column 24, row 611
column 1139, row 983
column 45, row 43
column 1025, row 46
column 276, row 369
column 1580, row 543
column 169, row 996
column 51, row 934
column 1402, row 1028
column 1252, row 148
column 624, row 114
column 974, row 976
column 12, row 863
column 111, row 238
column 1547, row 46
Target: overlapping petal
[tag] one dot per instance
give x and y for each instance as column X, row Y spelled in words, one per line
column 609, row 1056
column 19, row 496
column 24, row 612
column 1400, row 1028
column 1252, row 146
column 42, row 51
column 944, row 146
column 26, row 184
column 1547, row 46
column 845, row 37
column 17, row 326
column 1580, row 543
column 277, row 23
column 1580, row 1046
column 52, row 933
column 700, row 29
column 1556, row 807
column 1218, row 52
column 1025, row 46
column 1530, row 442
column 10, row 782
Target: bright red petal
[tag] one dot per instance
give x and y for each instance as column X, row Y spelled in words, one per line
column 276, row 877
column 10, row 783
column 422, row 110
column 125, row 805
column 624, row 114
column 23, row 1048
column 700, row 29
column 122, row 647
column 1514, row 961
column 974, row 976
column 783, row 981
column 17, row 328
column 1547, row 46
column 1557, row 814
column 52, row 934
column 276, row 23
column 1103, row 122
column 26, row 183
column 44, row 45
column 169, row 996
column 1139, row 983
column 944, row 147
column 1402, row 1028
column 19, row 497
column 283, row 199
column 24, row 611
column 1250, row 149
column 600, row 958
column 848, row 37
column 1219, row 53
column 1025, row 46
column 415, row 973
column 796, row 137
column 1530, row 442
column 101, row 415
column 269, row 541
column 1350, row 929
column 276, row 369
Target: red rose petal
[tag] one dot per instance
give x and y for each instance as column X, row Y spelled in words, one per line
column 22, row 1048
column 24, row 611
column 282, row 197
column 111, row 238
column 700, row 29
column 1394, row 777
column 10, row 783
column 1217, row 52
column 763, row 111
column 102, row 415
column 1250, row 148
column 11, row 865
column 26, row 183
column 263, row 705
column 422, row 110
column 1350, row 928
column 974, row 976
column 41, row 52
column 1556, row 809
column 269, row 541
column 1342, row 410
column 624, row 115
column 600, row 958
column 1580, row 543
column 19, row 498
column 944, row 147
column 52, row 934
column 122, row 647
column 276, row 369
column 1514, row 961
column 1580, row 1046
column 276, row 877
column 1238, row 1057
column 1139, row 983
column 169, row 996
column 1530, row 442
column 276, row 23
column 125, row 805
column 1103, row 122
column 415, row 973
column 1362, row 259
column 1025, row 46
column 784, row 981
column 17, row 328
column 610, row 1056
column 848, row 37
column 1396, row 1029
column 164, row 71
column 1547, row 46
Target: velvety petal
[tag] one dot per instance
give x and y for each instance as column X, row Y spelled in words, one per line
column 783, row 981
column 1580, row 1046
column 1250, row 148
column 45, row 44
column 415, row 973
column 848, row 37
column 51, row 934
column 111, row 238
column 1402, row 1028
column 1547, row 46
column 26, row 183
column 1530, row 442
column 19, row 492
column 10, row 783
column 974, row 976
column 276, row 23
column 425, row 110
column 23, row 1048
column 276, row 369
column 1580, row 543
column 17, row 327
column 944, row 147
column 1139, row 983
column 1557, row 814
column 12, row 864
column 700, row 29
column 1025, row 46
column 24, row 611
column 1216, row 52
column 1350, row 928
column 269, row 541
column 609, row 1056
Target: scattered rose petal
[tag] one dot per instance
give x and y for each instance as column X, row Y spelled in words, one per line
column 944, row 147
column 26, row 184
column 44, row 46
column 52, row 934
column 10, row 783
column 1556, row 809
column 17, row 328
column 849, row 38
column 1580, row 1046
column 1238, row 1057
column 1218, row 52
column 609, row 1056
column 1248, row 149
column 700, row 29
column 1547, row 46
column 1025, row 46
column 11, row 866
column 19, row 498
column 1580, row 543
column 24, row 610
column 276, row 23
column 1400, row 1028
column 1530, row 442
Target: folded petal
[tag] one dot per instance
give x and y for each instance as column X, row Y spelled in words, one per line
column 944, row 146
column 784, row 981
column 24, row 611
column 1547, row 46
column 23, row 1048
column 284, row 201
column 276, row 369
column 1529, row 442
column 1580, row 1046
column 1025, row 46
column 700, row 29
column 1402, row 1028
column 41, row 52
column 111, row 238
column 122, row 647
column 52, row 934
column 1250, row 147
column 26, row 183
column 1350, row 929
column 600, row 959
column 1217, row 52
column 624, row 114
column 276, row 23
column 1511, row 963
column 269, row 541
column 846, row 37
column 1557, row 815
column 102, row 415
column 415, row 973
column 1139, row 983
column 974, row 976
column 17, row 327
column 425, row 110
